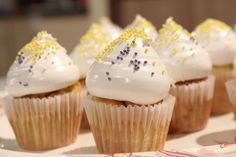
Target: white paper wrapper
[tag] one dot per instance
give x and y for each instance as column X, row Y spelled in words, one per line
column 231, row 90
column 221, row 102
column 193, row 106
column 83, row 93
column 118, row 129
column 41, row 124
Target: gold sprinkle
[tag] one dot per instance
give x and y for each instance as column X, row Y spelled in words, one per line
column 127, row 35
column 92, row 41
column 170, row 32
column 53, row 62
column 173, row 51
column 153, row 63
column 36, row 48
column 146, row 50
column 211, row 25
column 44, row 70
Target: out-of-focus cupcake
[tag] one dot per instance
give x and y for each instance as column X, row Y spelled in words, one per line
column 189, row 65
column 129, row 107
column 142, row 24
column 93, row 42
column 220, row 41
column 43, row 104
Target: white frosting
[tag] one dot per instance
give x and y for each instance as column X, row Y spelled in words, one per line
column 113, row 76
column 93, row 42
column 218, row 39
column 184, row 58
column 41, row 66
column 109, row 28
column 144, row 25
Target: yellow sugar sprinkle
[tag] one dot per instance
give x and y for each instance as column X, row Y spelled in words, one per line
column 210, row 25
column 33, row 73
column 171, row 31
column 173, row 51
column 127, row 35
column 93, row 40
column 163, row 72
column 44, row 70
column 146, row 50
column 36, row 48
column 153, row 63
column 141, row 24
column 53, row 62
column 71, row 63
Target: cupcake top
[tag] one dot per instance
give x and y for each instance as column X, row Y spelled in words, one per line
column 41, row 66
column 218, row 39
column 184, row 58
column 142, row 24
column 129, row 69
column 109, row 28
column 93, row 42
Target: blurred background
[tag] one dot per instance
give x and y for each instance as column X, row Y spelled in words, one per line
column 67, row 20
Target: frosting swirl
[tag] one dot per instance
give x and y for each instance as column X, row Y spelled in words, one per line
column 129, row 69
column 218, row 39
column 41, row 66
column 184, row 58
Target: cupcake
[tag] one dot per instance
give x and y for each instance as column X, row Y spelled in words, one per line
column 142, row 24
column 220, row 41
column 94, row 41
column 43, row 103
column 128, row 107
column 189, row 65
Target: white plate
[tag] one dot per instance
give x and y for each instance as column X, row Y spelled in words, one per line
column 219, row 129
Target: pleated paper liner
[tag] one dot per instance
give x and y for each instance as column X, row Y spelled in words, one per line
column 131, row 128
column 193, row 106
column 221, row 102
column 84, row 121
column 231, row 90
column 47, row 123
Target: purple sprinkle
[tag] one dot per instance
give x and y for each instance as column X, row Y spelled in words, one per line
column 131, row 62
column 20, row 82
column 117, row 57
column 152, row 74
column 26, row 84
column 112, row 62
column 109, row 79
column 107, row 73
column 145, row 62
column 139, row 62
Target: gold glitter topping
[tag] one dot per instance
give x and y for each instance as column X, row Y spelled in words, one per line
column 42, row 44
column 210, row 25
column 129, row 34
column 93, row 41
column 171, row 31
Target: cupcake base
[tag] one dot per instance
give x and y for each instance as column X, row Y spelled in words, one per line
column 123, row 128
column 45, row 123
column 221, row 104
column 193, row 106
column 231, row 90
column 84, row 121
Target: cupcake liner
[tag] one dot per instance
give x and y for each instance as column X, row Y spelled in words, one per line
column 231, row 90
column 41, row 124
column 84, row 121
column 193, row 106
column 221, row 102
column 134, row 128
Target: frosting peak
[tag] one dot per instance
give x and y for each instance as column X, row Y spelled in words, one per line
column 142, row 24
column 93, row 42
column 171, row 31
column 218, row 39
column 184, row 58
column 41, row 66
column 123, row 68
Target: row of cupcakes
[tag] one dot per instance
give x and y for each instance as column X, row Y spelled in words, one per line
column 128, row 91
